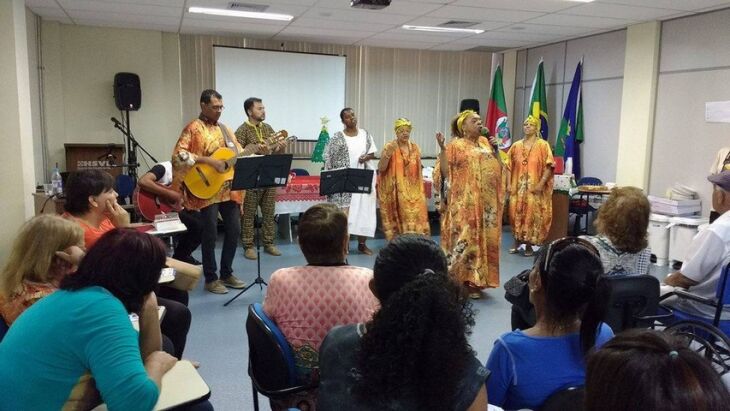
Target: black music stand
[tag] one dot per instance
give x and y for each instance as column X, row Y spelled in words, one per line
column 346, row 180
column 256, row 172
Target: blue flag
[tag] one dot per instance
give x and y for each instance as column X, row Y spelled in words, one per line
column 567, row 150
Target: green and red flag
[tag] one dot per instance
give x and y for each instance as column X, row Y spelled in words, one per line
column 538, row 102
column 497, row 119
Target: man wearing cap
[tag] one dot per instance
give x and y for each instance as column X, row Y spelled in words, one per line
column 707, row 254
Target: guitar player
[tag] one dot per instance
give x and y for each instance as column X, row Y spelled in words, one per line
column 258, row 137
column 157, row 182
column 197, row 142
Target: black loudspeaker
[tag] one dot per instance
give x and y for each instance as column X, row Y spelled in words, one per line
column 127, row 93
column 469, row 104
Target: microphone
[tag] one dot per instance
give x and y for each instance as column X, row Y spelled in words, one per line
column 485, row 132
column 116, row 122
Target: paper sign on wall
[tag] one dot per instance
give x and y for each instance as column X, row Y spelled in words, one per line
column 717, row 111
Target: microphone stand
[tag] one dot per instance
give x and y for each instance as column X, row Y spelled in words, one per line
column 132, row 146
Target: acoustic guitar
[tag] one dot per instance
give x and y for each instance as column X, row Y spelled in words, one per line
column 148, row 205
column 204, row 181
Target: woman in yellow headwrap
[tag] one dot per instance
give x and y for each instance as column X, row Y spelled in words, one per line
column 530, row 188
column 400, row 185
column 473, row 205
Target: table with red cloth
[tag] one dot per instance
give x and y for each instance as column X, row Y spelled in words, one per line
column 302, row 192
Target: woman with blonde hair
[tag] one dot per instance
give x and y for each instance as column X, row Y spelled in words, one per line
column 622, row 225
column 530, row 188
column 474, row 171
column 400, row 185
column 47, row 249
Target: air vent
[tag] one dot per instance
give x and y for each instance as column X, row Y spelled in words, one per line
column 458, row 24
column 238, row 6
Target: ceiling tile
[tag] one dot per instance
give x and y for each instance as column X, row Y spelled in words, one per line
column 435, row 21
column 618, row 11
column 549, row 6
column 41, row 3
column 544, row 29
column 581, row 21
column 479, row 41
column 233, row 26
column 49, row 12
column 356, row 15
column 126, row 25
column 670, row 4
column 137, row 19
column 393, row 44
column 481, row 14
column 120, row 7
column 452, row 47
column 404, row 7
column 409, row 35
column 340, row 25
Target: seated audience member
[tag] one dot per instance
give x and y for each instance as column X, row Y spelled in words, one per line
column 414, row 353
column 569, row 296
column 38, row 261
column 650, row 370
column 92, row 202
column 622, row 232
column 78, row 343
column 157, row 181
column 306, row 302
column 706, row 256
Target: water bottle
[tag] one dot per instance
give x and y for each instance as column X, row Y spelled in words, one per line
column 56, row 181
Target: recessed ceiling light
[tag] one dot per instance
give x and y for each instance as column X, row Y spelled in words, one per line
column 441, row 29
column 581, row 1
column 244, row 14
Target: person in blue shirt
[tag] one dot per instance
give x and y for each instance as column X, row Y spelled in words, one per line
column 569, row 295
column 76, row 347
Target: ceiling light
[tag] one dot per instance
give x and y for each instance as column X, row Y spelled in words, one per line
column 441, row 29
column 245, row 14
column 581, row 1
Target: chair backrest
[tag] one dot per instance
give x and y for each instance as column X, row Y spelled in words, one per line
column 631, row 296
column 567, row 399
column 3, row 329
column 300, row 171
column 590, row 181
column 124, row 185
column 722, row 292
column 271, row 360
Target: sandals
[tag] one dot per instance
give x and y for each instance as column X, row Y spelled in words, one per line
column 513, row 250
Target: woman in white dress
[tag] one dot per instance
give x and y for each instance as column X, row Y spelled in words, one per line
column 354, row 147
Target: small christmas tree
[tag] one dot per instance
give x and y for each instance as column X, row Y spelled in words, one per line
column 324, row 137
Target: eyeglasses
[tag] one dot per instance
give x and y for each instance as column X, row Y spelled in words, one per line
column 216, row 108
column 563, row 243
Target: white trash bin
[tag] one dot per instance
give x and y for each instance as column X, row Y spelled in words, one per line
column 681, row 232
column 659, row 238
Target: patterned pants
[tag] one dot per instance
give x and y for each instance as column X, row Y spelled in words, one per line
column 264, row 198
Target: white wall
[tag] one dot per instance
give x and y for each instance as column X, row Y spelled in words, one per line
column 694, row 68
column 80, row 63
column 603, row 61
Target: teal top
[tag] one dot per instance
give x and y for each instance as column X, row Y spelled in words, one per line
column 64, row 336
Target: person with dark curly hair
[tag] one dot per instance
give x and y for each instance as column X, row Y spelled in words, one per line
column 651, row 370
column 622, row 232
column 569, row 294
column 414, row 354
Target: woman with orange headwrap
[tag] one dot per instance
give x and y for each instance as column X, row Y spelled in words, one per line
column 400, row 185
column 474, row 204
column 530, row 162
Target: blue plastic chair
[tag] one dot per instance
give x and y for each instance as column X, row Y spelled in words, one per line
column 580, row 207
column 721, row 300
column 271, row 365
column 124, row 186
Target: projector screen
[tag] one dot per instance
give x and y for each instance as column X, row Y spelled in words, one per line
column 296, row 88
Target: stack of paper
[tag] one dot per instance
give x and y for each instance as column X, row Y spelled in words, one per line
column 666, row 206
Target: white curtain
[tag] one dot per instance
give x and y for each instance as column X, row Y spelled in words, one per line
column 382, row 84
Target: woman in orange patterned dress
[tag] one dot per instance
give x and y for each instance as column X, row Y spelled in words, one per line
column 474, row 205
column 530, row 188
column 400, row 186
